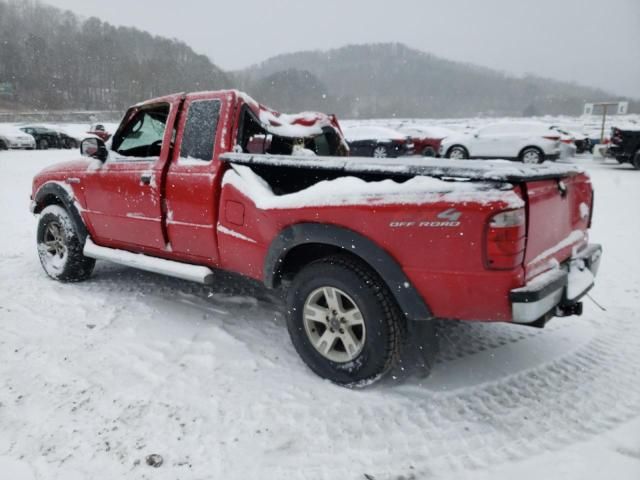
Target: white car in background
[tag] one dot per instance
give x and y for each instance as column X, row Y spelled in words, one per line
column 527, row 142
column 13, row 137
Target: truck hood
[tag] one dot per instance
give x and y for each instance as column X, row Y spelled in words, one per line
column 72, row 166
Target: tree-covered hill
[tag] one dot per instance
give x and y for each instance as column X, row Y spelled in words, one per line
column 51, row 59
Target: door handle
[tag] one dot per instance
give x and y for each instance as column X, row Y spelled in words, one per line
column 145, row 178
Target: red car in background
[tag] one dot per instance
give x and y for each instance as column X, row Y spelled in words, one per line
column 426, row 139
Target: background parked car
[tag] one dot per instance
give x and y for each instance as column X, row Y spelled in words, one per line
column 12, row 137
column 625, row 145
column 100, row 131
column 66, row 139
column 45, row 138
column 426, row 139
column 526, row 142
column 581, row 141
column 370, row 141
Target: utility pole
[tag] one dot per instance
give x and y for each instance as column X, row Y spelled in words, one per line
column 589, row 109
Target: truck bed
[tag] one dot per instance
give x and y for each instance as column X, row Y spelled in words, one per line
column 484, row 170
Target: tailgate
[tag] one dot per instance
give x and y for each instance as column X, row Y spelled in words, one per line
column 559, row 213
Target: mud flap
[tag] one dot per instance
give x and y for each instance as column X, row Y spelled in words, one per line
column 420, row 346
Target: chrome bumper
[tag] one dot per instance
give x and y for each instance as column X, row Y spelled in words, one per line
column 557, row 292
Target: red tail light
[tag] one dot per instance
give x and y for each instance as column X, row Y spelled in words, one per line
column 551, row 137
column 505, row 239
column 616, row 136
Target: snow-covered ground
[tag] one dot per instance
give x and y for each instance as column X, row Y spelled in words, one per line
column 96, row 376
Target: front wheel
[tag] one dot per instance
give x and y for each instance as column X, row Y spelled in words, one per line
column 636, row 160
column 343, row 321
column 43, row 144
column 60, row 246
column 532, row 156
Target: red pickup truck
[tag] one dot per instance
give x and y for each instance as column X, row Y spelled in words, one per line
column 363, row 248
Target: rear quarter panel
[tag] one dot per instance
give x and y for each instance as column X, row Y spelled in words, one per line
column 444, row 263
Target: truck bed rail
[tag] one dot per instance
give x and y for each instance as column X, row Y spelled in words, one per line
column 487, row 170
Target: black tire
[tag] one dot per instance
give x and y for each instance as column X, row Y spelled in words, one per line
column 43, row 144
column 3, row 146
column 429, row 151
column 636, row 160
column 380, row 151
column 464, row 154
column 61, row 255
column 531, row 155
column 382, row 319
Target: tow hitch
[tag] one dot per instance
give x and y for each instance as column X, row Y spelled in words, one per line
column 568, row 310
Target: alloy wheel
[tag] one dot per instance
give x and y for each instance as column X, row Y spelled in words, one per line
column 334, row 324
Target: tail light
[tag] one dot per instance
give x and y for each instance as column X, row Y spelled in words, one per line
column 616, row 136
column 505, row 239
column 553, row 138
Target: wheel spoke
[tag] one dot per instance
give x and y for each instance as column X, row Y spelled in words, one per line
column 353, row 317
column 350, row 342
column 331, row 296
column 326, row 341
column 316, row 313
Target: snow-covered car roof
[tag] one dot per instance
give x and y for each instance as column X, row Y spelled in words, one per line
column 426, row 131
column 372, row 133
column 11, row 130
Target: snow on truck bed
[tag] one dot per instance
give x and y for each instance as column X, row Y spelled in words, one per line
column 487, row 170
column 349, row 190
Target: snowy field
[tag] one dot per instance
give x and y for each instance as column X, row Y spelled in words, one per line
column 94, row 377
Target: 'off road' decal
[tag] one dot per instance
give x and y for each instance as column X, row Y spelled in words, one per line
column 449, row 218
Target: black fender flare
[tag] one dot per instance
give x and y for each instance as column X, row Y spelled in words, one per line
column 406, row 295
column 52, row 193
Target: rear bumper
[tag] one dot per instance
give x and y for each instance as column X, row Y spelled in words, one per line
column 557, row 292
column 552, row 156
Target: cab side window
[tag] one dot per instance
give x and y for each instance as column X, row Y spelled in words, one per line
column 198, row 139
column 142, row 135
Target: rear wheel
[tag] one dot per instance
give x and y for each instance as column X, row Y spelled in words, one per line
column 532, row 156
column 3, row 146
column 457, row 152
column 343, row 321
column 60, row 246
column 429, row 151
column 380, row 151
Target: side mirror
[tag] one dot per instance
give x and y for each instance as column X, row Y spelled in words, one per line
column 94, row 148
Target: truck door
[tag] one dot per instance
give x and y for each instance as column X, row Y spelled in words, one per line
column 193, row 183
column 123, row 195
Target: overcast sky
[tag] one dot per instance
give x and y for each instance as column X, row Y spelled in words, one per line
column 592, row 42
